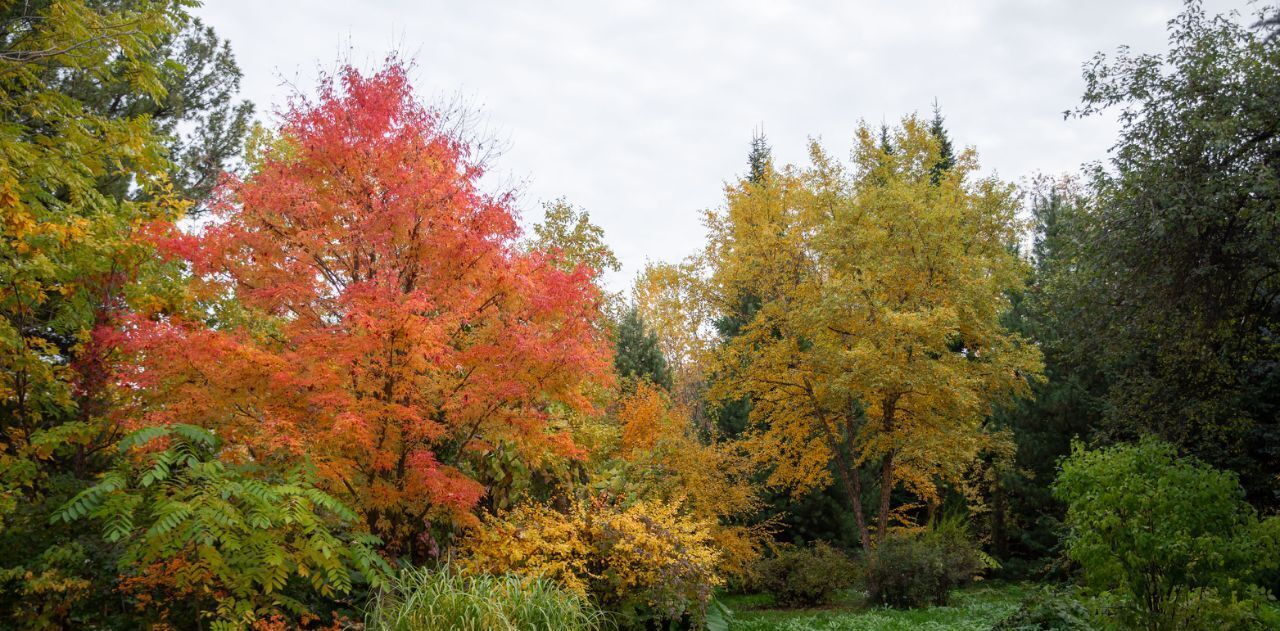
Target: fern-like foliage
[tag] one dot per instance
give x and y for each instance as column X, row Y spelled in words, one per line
column 247, row 546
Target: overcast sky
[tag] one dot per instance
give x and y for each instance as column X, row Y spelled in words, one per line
column 639, row 112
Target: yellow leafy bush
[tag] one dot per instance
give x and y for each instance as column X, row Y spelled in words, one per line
column 643, row 560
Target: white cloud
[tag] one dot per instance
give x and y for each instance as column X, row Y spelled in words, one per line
column 640, row 111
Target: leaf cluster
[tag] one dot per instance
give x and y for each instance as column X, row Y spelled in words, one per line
column 205, row 530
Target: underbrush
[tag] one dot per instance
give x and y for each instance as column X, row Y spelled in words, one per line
column 971, row 609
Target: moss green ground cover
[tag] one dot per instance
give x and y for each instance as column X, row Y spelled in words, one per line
column 975, row 609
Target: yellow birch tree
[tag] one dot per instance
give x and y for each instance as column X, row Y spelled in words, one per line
column 877, row 349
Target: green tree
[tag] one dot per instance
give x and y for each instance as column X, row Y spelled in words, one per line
column 946, row 154
column 760, row 159
column 70, row 262
column 567, row 233
column 197, row 113
column 638, row 355
column 1177, row 288
column 1025, row 517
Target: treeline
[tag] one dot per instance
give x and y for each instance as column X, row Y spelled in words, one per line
column 847, row 315
column 354, row 392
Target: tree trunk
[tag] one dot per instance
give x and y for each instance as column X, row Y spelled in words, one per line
column 853, row 488
column 850, row 480
column 998, row 536
column 886, row 488
column 849, row 476
column 886, row 469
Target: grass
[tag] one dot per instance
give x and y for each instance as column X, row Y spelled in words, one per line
column 975, row 608
column 425, row 599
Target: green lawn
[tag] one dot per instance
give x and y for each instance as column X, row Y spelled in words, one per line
column 975, row 608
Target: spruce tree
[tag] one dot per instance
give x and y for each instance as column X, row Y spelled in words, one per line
column 885, row 143
column 759, row 160
column 638, row 355
column 947, row 157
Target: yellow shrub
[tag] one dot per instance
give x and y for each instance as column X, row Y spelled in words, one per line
column 532, row 539
column 646, row 559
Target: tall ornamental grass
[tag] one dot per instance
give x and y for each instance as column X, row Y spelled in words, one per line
column 423, row 599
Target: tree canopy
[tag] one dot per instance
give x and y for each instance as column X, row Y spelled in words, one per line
column 878, row 341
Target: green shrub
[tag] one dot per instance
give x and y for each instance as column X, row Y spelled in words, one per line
column 424, row 599
column 1170, row 538
column 1049, row 609
column 1266, row 564
column 920, row 569
column 806, row 576
column 203, row 538
column 1208, row 608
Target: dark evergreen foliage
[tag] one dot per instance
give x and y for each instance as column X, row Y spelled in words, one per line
column 760, row 159
column 200, row 114
column 1025, row 522
column 638, row 355
column 947, row 156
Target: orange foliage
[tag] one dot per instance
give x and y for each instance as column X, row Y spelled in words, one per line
column 383, row 324
column 647, row 418
column 661, row 458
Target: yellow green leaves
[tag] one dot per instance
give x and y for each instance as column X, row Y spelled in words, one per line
column 877, row 340
column 68, row 249
column 567, row 235
column 668, row 298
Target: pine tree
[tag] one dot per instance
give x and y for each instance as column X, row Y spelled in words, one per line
column 637, row 355
column 946, row 153
column 202, row 122
column 760, row 159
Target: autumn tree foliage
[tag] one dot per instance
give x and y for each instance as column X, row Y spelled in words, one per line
column 567, row 233
column 661, row 454
column 877, row 350
column 69, row 264
column 372, row 313
column 668, row 297
column 662, row 519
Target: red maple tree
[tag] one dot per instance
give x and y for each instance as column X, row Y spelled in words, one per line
column 387, row 325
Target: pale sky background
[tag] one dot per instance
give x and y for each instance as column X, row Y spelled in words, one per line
column 639, row 112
